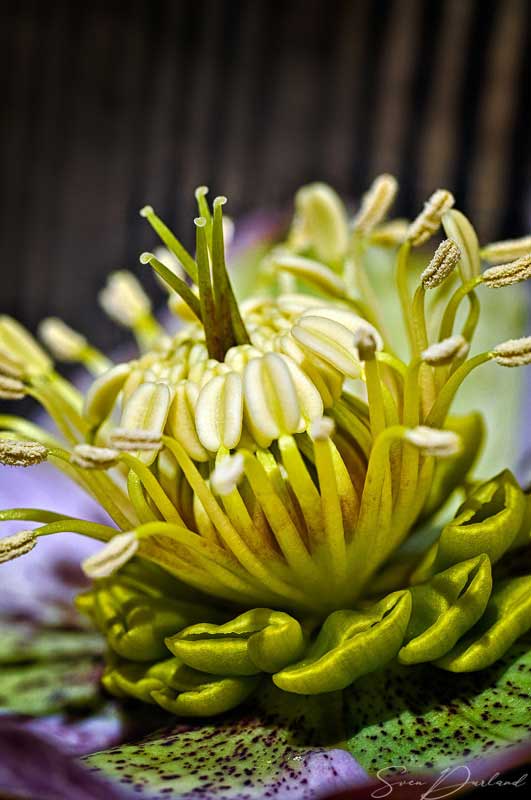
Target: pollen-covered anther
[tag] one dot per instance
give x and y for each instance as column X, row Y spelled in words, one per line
column 124, row 300
column 497, row 252
column 87, row 456
column 514, row 352
column 117, row 552
column 506, row 274
column 365, row 344
column 11, row 388
column 434, row 442
column 18, row 453
column 64, row 343
column 227, row 474
column 429, row 220
column 444, row 352
column 16, row 545
column 376, row 203
column 322, row 429
column 135, row 439
column 444, row 261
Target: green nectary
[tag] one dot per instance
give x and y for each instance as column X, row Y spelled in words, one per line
column 276, row 469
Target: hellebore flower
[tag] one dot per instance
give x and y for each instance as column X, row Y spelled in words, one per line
column 282, row 474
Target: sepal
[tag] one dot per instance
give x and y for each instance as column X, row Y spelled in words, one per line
column 260, row 640
column 136, row 624
column 350, row 644
column 445, row 608
column 177, row 688
column 506, row 618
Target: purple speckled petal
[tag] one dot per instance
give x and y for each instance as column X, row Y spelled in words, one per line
column 32, row 767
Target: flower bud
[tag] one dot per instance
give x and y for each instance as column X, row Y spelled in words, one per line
column 428, row 221
column 444, row 261
column 376, row 203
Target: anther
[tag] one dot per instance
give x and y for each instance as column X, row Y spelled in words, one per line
column 375, row 203
column 17, row 453
column 514, row 352
column 87, row 456
column 445, row 351
column 429, row 220
column 444, row 261
column 117, row 552
column 506, row 274
column 17, row 545
column 434, row 442
column 227, row 474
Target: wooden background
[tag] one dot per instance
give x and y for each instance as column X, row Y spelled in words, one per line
column 109, row 105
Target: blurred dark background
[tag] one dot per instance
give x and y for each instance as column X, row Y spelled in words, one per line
column 110, row 105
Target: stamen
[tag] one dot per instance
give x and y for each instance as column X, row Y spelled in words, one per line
column 322, row 429
column 16, row 453
column 64, row 343
column 124, row 299
column 102, row 394
column 117, row 552
column 143, row 420
column 320, row 222
column 227, row 474
column 391, row 234
column 444, row 352
column 135, row 439
column 429, row 220
column 375, row 203
column 313, row 272
column 444, row 261
column 219, row 412
column 87, row 456
column 513, row 353
column 366, row 345
column 433, row 442
column 20, row 345
column 329, row 340
column 10, row 367
column 11, row 388
column 507, row 274
column 17, row 545
column 458, row 228
column 497, row 252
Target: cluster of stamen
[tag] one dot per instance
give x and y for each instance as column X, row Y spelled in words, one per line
column 273, row 452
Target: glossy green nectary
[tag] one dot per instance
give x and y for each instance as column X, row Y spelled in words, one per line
column 282, row 472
